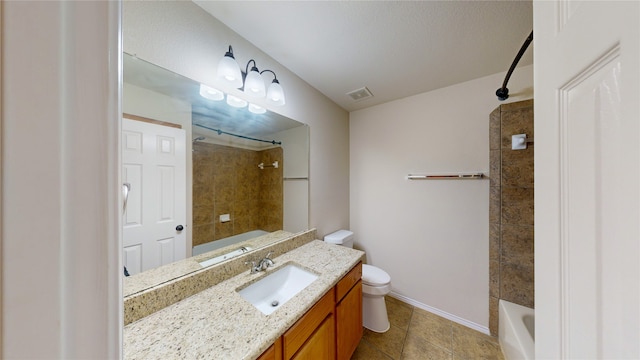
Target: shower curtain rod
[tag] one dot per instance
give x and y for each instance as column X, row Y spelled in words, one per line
column 503, row 92
column 220, row 132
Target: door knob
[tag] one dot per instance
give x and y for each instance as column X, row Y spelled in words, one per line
column 179, row 227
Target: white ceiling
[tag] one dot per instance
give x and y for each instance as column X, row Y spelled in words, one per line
column 394, row 48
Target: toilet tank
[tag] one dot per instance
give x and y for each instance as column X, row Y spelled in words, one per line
column 340, row 237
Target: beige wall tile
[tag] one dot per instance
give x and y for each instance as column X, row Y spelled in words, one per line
column 495, row 170
column 517, row 244
column 494, row 205
column 516, row 284
column 518, row 121
column 517, row 168
column 227, row 180
column 511, row 254
column 494, row 278
column 494, row 241
column 494, row 129
column 517, row 206
column 493, row 315
column 203, row 215
column 203, row 234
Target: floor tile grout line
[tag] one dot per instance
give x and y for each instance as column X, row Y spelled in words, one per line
column 406, row 333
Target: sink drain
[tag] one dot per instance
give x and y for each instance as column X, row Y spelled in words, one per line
column 275, row 303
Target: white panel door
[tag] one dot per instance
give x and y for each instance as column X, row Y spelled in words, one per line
column 587, row 78
column 153, row 158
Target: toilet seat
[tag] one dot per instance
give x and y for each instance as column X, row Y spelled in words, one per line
column 374, row 276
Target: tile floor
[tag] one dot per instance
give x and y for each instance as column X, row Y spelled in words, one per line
column 418, row 334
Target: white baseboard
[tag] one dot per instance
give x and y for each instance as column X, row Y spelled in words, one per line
column 444, row 314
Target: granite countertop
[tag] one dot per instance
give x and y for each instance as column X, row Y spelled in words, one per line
column 142, row 281
column 219, row 324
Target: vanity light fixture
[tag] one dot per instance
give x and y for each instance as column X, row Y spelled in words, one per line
column 250, row 81
column 256, row 109
column 210, row 93
column 228, row 69
column 236, row 101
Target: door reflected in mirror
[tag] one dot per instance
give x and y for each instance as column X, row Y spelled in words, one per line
column 246, row 177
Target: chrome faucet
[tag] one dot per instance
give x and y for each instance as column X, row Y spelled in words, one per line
column 262, row 265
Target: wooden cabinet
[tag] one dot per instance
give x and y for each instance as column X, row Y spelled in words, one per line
column 321, row 344
column 349, row 313
column 331, row 329
column 349, row 322
column 305, row 328
column 274, row 352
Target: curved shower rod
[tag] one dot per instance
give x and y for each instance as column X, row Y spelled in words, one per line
column 503, row 92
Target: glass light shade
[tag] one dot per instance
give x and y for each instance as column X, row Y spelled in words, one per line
column 253, row 84
column 236, row 101
column 275, row 93
column 229, row 71
column 257, row 109
column 210, row 93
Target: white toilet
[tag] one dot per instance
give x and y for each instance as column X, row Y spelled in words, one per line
column 376, row 283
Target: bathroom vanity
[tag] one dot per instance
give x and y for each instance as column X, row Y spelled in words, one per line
column 332, row 328
column 324, row 319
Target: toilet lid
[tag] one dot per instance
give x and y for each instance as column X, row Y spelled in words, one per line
column 374, row 276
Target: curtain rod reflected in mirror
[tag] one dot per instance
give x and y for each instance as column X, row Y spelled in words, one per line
column 220, row 132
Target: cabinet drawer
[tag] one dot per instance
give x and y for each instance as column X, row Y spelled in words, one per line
column 348, row 281
column 303, row 328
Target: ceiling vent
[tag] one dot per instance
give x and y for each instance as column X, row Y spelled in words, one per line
column 360, row 94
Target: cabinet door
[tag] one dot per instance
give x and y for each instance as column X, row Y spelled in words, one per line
column 274, row 352
column 304, row 328
column 349, row 322
column 320, row 345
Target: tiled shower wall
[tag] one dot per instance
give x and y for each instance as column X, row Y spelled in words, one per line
column 227, row 180
column 510, row 210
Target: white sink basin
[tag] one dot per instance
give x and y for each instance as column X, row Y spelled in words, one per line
column 275, row 289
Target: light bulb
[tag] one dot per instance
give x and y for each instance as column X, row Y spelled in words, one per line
column 210, row 93
column 275, row 93
column 256, row 109
column 236, row 101
column 229, row 71
column 253, row 84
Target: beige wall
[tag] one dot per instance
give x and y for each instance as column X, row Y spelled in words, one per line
column 183, row 38
column 431, row 236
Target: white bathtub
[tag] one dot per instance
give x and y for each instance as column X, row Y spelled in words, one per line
column 218, row 244
column 516, row 331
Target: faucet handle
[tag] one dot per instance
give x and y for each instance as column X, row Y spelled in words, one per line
column 254, row 267
column 268, row 255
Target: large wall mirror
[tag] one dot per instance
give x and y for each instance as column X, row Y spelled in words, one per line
column 206, row 181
